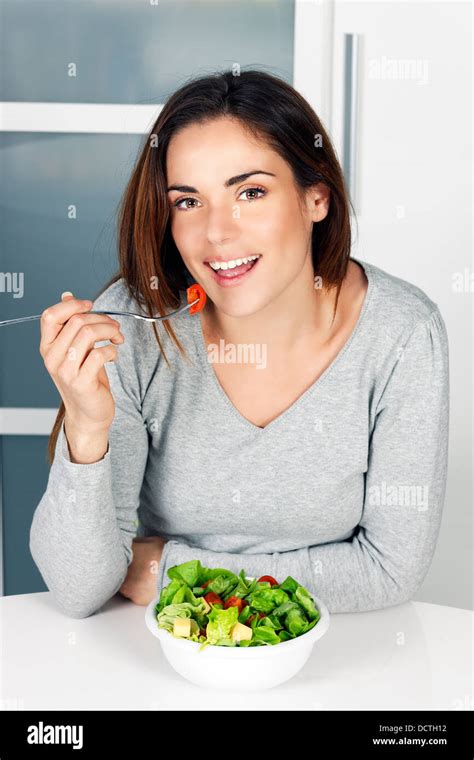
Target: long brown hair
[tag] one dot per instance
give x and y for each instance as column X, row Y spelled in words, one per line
column 271, row 110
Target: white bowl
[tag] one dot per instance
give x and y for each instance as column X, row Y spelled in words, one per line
column 236, row 668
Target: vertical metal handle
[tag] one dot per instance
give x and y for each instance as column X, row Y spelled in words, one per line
column 351, row 95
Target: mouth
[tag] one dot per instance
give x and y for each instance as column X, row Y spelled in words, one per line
column 234, row 274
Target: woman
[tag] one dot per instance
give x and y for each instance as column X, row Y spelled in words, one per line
column 315, row 445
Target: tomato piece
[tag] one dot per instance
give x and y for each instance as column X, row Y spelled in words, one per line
column 193, row 292
column 212, row 598
column 235, row 601
column 206, row 583
column 268, row 579
column 260, row 614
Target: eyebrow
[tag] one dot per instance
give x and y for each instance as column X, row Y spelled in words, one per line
column 227, row 183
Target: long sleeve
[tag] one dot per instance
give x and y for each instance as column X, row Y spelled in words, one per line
column 387, row 559
column 83, row 527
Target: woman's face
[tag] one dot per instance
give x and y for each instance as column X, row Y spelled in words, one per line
column 217, row 215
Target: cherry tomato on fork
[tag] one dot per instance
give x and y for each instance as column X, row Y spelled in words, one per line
column 193, row 292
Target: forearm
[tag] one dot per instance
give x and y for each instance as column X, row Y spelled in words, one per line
column 75, row 540
column 85, row 447
column 344, row 575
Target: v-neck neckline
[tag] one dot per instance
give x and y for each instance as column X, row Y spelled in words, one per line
column 303, row 398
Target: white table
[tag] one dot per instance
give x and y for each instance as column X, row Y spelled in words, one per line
column 414, row 656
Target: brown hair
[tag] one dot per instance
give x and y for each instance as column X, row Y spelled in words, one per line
column 271, row 110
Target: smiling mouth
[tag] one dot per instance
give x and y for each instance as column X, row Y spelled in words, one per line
column 233, row 272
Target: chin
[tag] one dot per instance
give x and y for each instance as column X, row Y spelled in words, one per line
column 240, row 305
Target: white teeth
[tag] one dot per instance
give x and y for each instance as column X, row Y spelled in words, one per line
column 231, row 264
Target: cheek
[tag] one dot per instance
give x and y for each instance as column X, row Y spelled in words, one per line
column 278, row 216
column 176, row 227
column 281, row 230
column 184, row 234
column 268, row 225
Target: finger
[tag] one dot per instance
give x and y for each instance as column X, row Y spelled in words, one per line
column 60, row 348
column 82, row 344
column 54, row 317
column 89, row 371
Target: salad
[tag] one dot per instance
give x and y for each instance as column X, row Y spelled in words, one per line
column 216, row 606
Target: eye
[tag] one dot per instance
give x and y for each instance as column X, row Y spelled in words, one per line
column 178, row 203
column 254, row 190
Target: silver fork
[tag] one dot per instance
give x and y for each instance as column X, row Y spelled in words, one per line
column 119, row 313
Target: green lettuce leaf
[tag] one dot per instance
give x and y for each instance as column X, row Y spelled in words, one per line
column 220, row 623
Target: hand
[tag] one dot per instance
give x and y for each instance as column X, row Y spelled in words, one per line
column 67, row 346
column 140, row 585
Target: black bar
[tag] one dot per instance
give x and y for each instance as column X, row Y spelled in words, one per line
column 446, row 734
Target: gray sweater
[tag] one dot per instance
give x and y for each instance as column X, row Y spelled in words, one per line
column 344, row 490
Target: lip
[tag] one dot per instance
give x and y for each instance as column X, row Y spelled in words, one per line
column 229, row 282
column 220, row 260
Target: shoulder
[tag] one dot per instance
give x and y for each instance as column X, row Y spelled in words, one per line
column 407, row 341
column 399, row 306
column 406, row 333
column 139, row 354
column 402, row 320
column 116, row 296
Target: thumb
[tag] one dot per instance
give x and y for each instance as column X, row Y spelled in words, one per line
column 67, row 295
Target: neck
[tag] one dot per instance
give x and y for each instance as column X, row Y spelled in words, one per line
column 300, row 312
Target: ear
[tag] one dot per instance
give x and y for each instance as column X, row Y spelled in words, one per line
column 317, row 201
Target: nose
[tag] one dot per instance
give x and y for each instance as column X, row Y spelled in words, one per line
column 221, row 225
